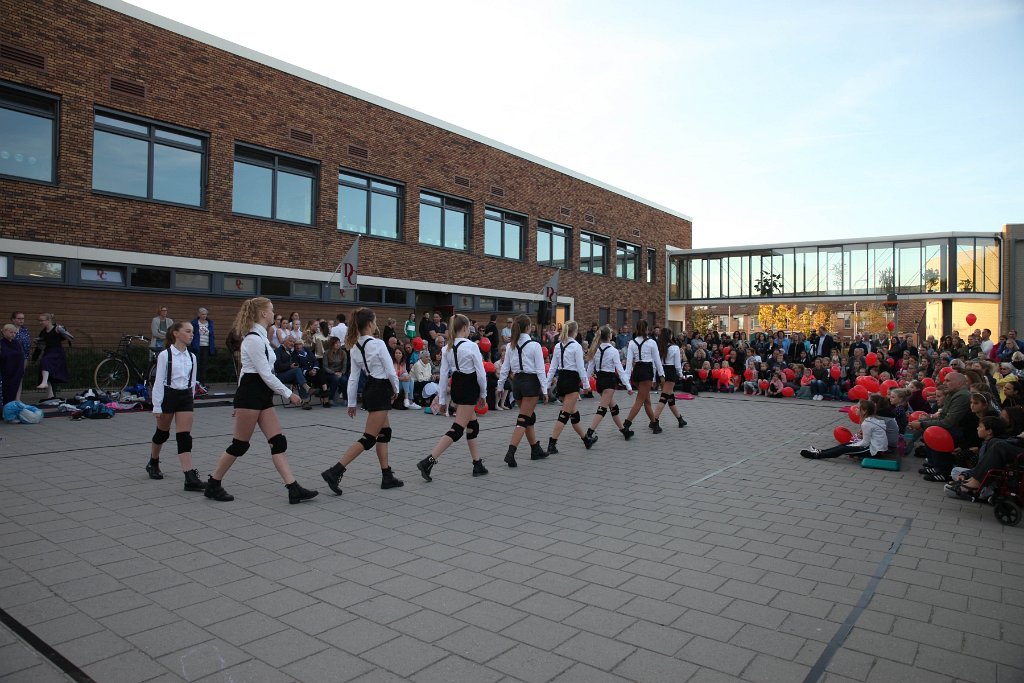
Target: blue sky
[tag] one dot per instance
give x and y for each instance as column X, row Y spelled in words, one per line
column 765, row 122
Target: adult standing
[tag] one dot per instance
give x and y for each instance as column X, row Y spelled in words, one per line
column 568, row 364
column 254, row 403
column 825, row 344
column 604, row 364
column 506, row 333
column 370, row 355
column 672, row 362
column 12, row 364
column 202, row 344
column 424, row 327
column 491, row 332
column 158, row 327
column 643, row 364
column 340, row 329
column 410, row 326
column 524, row 358
column 53, row 366
column 24, row 339
column 173, row 393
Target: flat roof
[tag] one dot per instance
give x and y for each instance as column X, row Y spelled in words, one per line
column 274, row 63
column 673, row 251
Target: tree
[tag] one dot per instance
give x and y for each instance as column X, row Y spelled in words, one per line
column 873, row 320
column 804, row 321
column 931, row 280
column 785, row 317
column 766, row 316
column 822, row 317
column 768, row 284
column 702, row 318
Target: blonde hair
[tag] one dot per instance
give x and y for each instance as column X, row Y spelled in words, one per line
column 456, row 324
column 48, row 316
column 248, row 314
column 603, row 335
column 10, row 326
column 569, row 330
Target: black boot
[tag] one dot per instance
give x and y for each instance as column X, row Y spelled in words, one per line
column 682, row 422
column 333, row 476
column 589, row 439
column 552, row 448
column 656, row 427
column 425, row 465
column 388, row 480
column 536, row 452
column 153, row 468
column 626, row 431
column 297, row 494
column 478, row 468
column 215, row 491
column 193, row 482
column 510, row 457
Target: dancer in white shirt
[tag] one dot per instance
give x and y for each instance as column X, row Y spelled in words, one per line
column 604, row 364
column 463, row 360
column 371, row 355
column 673, row 364
column 567, row 362
column 643, row 364
column 173, row 392
column 254, row 403
column 524, row 358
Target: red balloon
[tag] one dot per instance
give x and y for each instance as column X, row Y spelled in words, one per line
column 891, row 326
column 871, row 359
column 857, row 393
column 716, row 373
column 788, row 392
column 887, row 385
column 917, row 415
column 763, row 384
column 485, row 344
column 725, row 373
column 939, row 439
column 547, row 367
column 702, row 373
column 480, row 410
column 790, row 375
column 593, row 384
column 545, row 351
column 928, row 382
column 971, row 319
column 835, row 371
column 488, row 366
column 943, row 372
column 868, row 382
column 749, row 374
column 891, row 362
column 842, row 434
column 928, row 392
column 418, row 343
column 854, row 415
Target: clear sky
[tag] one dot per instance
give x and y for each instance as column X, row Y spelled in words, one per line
column 764, row 121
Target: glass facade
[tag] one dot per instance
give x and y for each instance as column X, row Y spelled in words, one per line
column 946, row 265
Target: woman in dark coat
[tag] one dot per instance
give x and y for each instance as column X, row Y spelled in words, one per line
column 12, row 364
column 53, row 366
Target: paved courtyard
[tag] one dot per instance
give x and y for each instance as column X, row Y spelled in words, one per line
column 710, row 553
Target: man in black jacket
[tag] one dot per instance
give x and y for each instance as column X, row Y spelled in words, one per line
column 825, row 343
column 288, row 371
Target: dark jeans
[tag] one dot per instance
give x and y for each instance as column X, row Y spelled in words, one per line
column 334, row 382
column 845, row 449
column 818, row 387
column 296, row 377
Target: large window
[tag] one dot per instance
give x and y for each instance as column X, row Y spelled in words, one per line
column 503, row 234
column 444, row 221
column 272, row 185
column 553, row 244
column 651, row 261
column 368, row 206
column 28, row 134
column 627, row 261
column 139, row 158
column 593, row 253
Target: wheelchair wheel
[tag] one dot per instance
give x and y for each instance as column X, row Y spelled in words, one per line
column 1007, row 512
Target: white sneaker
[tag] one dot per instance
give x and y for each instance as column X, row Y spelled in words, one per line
column 407, row 403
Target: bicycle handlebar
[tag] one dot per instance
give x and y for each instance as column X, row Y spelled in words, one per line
column 130, row 337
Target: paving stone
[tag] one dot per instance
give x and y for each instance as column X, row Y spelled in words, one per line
column 284, row 647
column 358, row 636
column 716, row 655
column 453, row 669
column 204, row 659
column 885, row 671
column 246, row 628
column 539, row 632
column 598, row 651
column 476, row 644
column 644, row 666
column 661, row 639
column 530, row 664
column 427, row 625
column 767, row 669
column 127, row 667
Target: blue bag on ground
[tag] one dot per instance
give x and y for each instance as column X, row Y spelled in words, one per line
column 18, row 412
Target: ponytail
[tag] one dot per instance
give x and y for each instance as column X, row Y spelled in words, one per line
column 569, row 330
column 641, row 328
column 169, row 339
column 361, row 319
column 456, row 324
column 664, row 341
column 248, row 314
column 520, row 326
column 603, row 335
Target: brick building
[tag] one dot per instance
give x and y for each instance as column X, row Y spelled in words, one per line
column 145, row 163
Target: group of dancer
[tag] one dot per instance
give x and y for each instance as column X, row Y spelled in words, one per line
column 646, row 360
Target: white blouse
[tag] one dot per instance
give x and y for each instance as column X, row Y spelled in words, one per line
column 643, row 352
column 568, row 356
column 524, row 356
column 468, row 360
column 606, row 359
column 256, row 356
column 672, row 357
column 377, row 363
column 183, row 374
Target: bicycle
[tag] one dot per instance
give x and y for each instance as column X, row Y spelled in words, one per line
column 115, row 372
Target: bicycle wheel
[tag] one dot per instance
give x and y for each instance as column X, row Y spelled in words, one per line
column 151, row 377
column 111, row 375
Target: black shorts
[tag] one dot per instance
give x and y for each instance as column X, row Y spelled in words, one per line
column 525, row 385
column 377, row 395
column 253, row 393
column 568, row 382
column 465, row 389
column 177, row 401
column 607, row 380
column 670, row 374
column 643, row 372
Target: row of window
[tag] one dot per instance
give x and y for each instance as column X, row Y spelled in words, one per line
column 140, row 158
column 34, row 270
column 623, row 318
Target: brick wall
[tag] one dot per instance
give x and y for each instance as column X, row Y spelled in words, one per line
column 195, row 85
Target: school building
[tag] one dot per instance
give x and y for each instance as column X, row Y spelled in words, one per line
column 145, row 163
